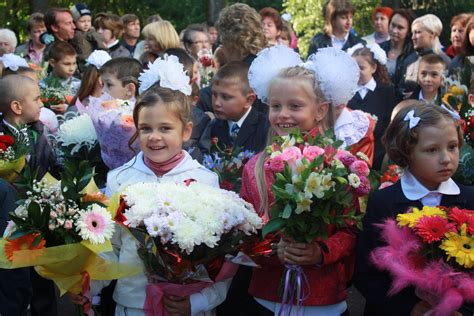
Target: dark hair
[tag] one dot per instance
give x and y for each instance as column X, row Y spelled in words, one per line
column 61, row 49
column 50, row 17
column 334, row 8
column 381, row 73
column 433, row 59
column 174, row 100
column 467, row 48
column 153, row 18
column 184, row 58
column 409, row 16
column 236, row 71
column 129, row 18
column 273, row 14
column 471, row 86
column 126, row 69
column 399, row 139
column 35, row 19
column 188, row 33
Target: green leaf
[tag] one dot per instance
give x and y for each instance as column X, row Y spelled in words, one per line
column 273, row 225
column 37, row 240
column 34, row 213
column 287, row 211
column 281, row 193
column 20, row 233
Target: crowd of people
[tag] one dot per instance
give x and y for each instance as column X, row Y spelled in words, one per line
column 367, row 89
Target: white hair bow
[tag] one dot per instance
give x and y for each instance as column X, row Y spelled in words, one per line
column 454, row 114
column 414, row 120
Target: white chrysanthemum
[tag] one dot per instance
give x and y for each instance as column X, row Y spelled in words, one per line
column 169, row 72
column 354, row 180
column 95, row 224
column 186, row 221
column 78, row 131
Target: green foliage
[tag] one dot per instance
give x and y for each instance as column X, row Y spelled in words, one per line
column 307, row 18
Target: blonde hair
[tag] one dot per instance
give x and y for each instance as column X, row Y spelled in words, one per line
column 163, row 33
column 432, row 24
column 240, row 27
column 305, row 78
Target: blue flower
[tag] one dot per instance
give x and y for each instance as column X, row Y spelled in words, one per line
column 208, row 162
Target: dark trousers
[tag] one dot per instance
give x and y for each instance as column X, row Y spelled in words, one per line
column 44, row 299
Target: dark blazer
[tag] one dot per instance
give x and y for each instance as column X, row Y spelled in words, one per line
column 373, row 283
column 322, row 40
column 205, row 102
column 42, row 156
column 198, row 141
column 252, row 135
column 15, row 288
column 400, row 67
column 380, row 103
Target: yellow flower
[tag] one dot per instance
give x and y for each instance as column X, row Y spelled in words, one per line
column 457, row 91
column 460, row 247
column 412, row 217
column 300, row 166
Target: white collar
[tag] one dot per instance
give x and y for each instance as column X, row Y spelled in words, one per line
column 112, row 44
column 421, row 97
column 344, row 118
column 13, row 128
column 414, row 190
column 336, row 39
column 370, row 85
column 242, row 119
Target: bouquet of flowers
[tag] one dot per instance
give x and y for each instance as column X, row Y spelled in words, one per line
column 60, row 231
column 206, row 67
column 229, row 164
column 316, row 186
column 113, row 123
column 431, row 249
column 465, row 172
column 77, row 136
column 183, row 240
column 53, row 92
column 12, row 153
column 390, row 176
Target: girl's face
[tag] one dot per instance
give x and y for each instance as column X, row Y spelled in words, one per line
column 457, row 34
column 292, row 107
column 270, row 30
column 471, row 37
column 161, row 133
column 367, row 70
column 398, row 29
column 435, row 157
column 284, row 39
column 421, row 37
column 381, row 23
column 342, row 23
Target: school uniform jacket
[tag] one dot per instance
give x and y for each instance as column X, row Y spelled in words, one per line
column 252, row 134
column 380, row 103
column 372, row 283
column 322, row 40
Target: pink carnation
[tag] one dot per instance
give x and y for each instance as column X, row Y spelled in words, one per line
column 364, row 187
column 291, row 154
column 360, row 168
column 277, row 164
column 311, row 152
column 345, row 157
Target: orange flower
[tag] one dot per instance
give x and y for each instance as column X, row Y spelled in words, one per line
column 97, row 197
column 127, row 120
column 111, row 104
column 22, row 243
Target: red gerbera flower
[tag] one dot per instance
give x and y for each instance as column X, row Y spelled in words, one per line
column 462, row 216
column 432, row 228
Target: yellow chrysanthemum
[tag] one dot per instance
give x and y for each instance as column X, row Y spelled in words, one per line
column 456, row 90
column 460, row 247
column 412, row 217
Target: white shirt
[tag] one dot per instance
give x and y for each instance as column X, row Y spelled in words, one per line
column 239, row 122
column 370, row 85
column 414, row 190
column 324, row 310
column 337, row 42
column 421, row 97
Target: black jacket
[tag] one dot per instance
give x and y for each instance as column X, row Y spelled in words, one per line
column 252, row 135
column 373, row 283
column 399, row 69
column 322, row 40
column 380, row 103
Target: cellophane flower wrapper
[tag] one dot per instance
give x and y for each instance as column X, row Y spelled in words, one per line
column 114, row 126
column 421, row 252
column 182, row 240
column 13, row 150
column 9, row 169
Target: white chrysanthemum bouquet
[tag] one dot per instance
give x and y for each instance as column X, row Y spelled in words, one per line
column 190, row 225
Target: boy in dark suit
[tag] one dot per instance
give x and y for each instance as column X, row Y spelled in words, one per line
column 20, row 105
column 237, row 123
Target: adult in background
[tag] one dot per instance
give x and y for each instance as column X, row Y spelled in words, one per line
column 131, row 34
column 467, row 51
column 381, row 18
column 195, row 38
column 60, row 27
column 272, row 24
column 140, row 48
column 400, row 45
column 336, row 33
column 159, row 36
column 455, row 50
column 8, row 41
column 33, row 50
column 425, row 36
column 213, row 35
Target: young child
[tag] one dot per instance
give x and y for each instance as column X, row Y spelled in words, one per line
column 111, row 28
column 430, row 77
column 375, row 94
column 62, row 59
column 237, row 123
column 162, row 117
column 425, row 140
column 120, row 78
column 86, row 39
column 296, row 100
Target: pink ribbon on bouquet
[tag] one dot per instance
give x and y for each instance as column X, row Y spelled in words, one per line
column 86, row 291
column 155, row 291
